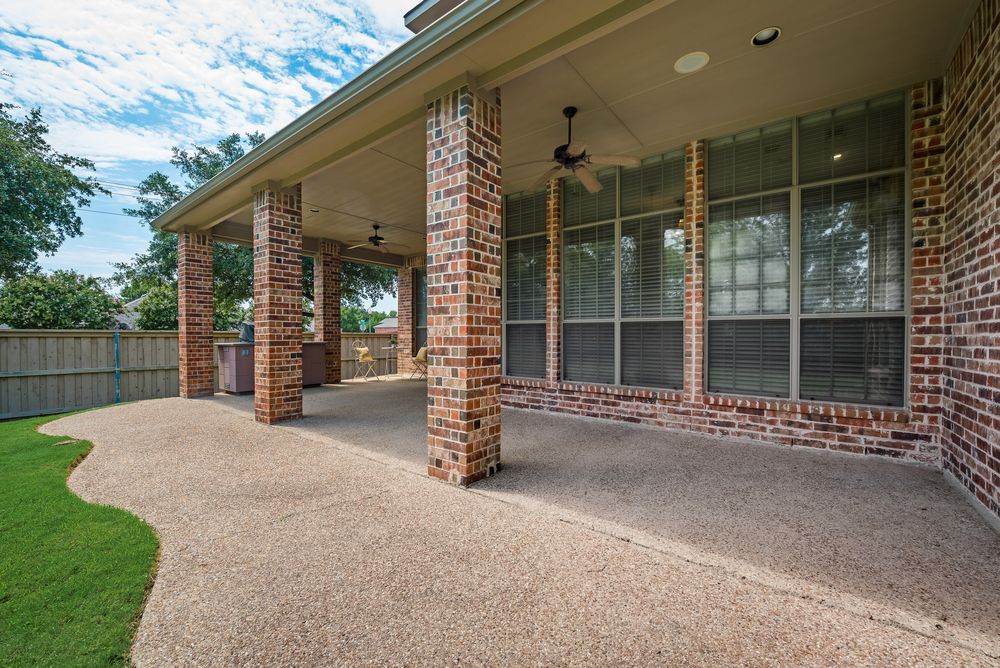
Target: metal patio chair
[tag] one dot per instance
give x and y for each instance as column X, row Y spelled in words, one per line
column 420, row 362
column 366, row 363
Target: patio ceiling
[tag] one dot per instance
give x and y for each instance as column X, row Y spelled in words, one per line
column 361, row 159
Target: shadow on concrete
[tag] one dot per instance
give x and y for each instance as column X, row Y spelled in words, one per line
column 878, row 537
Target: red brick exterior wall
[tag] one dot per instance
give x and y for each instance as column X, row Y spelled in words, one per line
column 908, row 434
column 463, row 291
column 277, row 297
column 406, row 322
column 194, row 311
column 971, row 437
column 926, row 286
column 326, row 305
column 553, row 286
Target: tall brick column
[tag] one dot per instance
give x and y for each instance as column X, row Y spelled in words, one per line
column 326, row 305
column 277, row 297
column 405, row 320
column 463, row 286
column 194, row 314
column 553, row 287
column 694, row 272
column 928, row 238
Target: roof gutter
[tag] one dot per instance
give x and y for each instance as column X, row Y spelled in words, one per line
column 408, row 57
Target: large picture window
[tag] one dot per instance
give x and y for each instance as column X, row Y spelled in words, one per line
column 623, row 276
column 524, row 285
column 806, row 267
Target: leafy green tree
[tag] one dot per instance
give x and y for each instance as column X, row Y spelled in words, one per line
column 351, row 318
column 61, row 300
column 39, row 194
column 159, row 310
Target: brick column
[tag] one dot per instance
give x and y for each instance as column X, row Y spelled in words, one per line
column 194, row 314
column 694, row 271
column 405, row 320
column 553, row 287
column 463, row 286
column 326, row 305
column 277, row 298
column 928, row 239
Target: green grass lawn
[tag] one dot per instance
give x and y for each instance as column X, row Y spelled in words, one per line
column 73, row 576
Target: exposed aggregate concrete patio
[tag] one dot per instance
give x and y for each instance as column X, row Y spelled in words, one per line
column 323, row 542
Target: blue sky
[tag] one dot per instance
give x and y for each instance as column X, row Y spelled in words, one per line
column 121, row 82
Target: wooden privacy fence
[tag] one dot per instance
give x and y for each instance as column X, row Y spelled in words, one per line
column 52, row 371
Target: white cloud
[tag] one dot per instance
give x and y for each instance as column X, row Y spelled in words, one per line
column 122, row 80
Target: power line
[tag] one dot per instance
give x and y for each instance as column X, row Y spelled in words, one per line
column 108, row 213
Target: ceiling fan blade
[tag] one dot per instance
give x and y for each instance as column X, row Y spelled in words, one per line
column 588, row 180
column 543, row 179
column 533, row 162
column 577, row 148
column 363, row 243
column 396, row 247
column 383, row 248
column 623, row 160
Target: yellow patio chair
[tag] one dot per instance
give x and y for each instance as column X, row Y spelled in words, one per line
column 366, row 363
column 420, row 361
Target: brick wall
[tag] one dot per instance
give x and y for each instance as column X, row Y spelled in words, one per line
column 277, row 297
column 971, row 421
column 326, row 305
column 463, row 286
column 406, row 320
column 553, row 286
column 194, row 311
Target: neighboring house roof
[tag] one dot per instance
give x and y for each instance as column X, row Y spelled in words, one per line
column 131, row 313
column 388, row 323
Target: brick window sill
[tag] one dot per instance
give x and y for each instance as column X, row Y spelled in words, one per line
column 623, row 391
column 815, row 410
column 523, row 382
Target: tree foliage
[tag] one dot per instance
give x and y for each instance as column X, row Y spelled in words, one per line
column 39, row 194
column 61, row 300
column 351, row 318
column 159, row 310
column 232, row 266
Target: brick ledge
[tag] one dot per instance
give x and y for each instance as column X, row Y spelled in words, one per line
column 817, row 409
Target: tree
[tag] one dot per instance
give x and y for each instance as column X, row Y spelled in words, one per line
column 232, row 266
column 351, row 318
column 61, row 300
column 159, row 310
column 39, row 194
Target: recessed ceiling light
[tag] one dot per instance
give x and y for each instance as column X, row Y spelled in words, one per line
column 692, row 62
column 766, row 36
column 837, row 157
column 314, row 210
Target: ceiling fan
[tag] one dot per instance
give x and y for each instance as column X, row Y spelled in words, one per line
column 573, row 156
column 378, row 242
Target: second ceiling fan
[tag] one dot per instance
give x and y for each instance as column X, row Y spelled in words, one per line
column 573, row 156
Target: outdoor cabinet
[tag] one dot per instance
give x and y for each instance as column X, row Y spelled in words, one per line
column 236, row 366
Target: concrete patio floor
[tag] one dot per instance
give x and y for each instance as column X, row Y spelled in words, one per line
column 323, row 542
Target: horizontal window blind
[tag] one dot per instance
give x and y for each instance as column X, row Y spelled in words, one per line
column 749, row 357
column 749, row 246
column 853, row 139
column 525, row 279
column 652, row 266
column 750, row 162
column 420, row 308
column 656, row 185
column 525, row 350
column 589, row 352
column 853, row 359
column 853, row 246
column 652, row 354
column 589, row 272
column 524, row 214
column 580, row 207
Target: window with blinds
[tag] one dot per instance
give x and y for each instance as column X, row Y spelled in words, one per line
column 623, row 276
column 524, row 285
column 420, row 307
column 846, row 205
